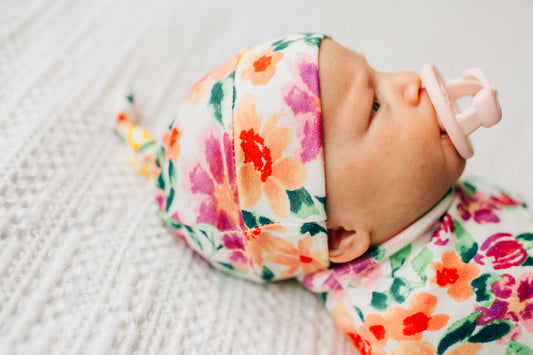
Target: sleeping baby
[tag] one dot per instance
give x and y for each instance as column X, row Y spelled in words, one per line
column 295, row 159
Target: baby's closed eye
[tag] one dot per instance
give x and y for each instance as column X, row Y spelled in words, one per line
column 375, row 107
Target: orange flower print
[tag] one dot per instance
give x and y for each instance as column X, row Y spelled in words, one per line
column 260, row 147
column 409, row 324
column 375, row 329
column 309, row 261
column 261, row 242
column 345, row 322
column 260, row 68
column 415, row 347
column 201, row 86
column 466, row 349
column 455, row 275
column 171, row 141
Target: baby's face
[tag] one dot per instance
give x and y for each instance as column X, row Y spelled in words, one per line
column 387, row 161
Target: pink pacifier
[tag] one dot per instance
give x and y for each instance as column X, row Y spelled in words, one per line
column 485, row 110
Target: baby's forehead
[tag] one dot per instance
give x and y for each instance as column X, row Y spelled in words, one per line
column 349, row 70
column 345, row 82
column 334, row 53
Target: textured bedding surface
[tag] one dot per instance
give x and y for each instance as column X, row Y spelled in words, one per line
column 85, row 266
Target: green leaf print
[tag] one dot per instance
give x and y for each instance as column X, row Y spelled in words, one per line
column 281, row 44
column 266, row 274
column 226, row 265
column 526, row 239
column 398, row 259
column 313, row 228
column 400, row 289
column 170, row 222
column 160, row 182
column 313, row 41
column 481, row 287
column 170, row 198
column 301, row 202
column 466, row 246
column 457, row 332
column 470, row 189
column 516, row 348
column 421, row 261
column 359, row 313
column 221, row 93
column 379, row 301
column 377, row 253
column 528, row 262
column 492, row 331
column 249, row 219
column 322, row 200
column 146, row 147
column 173, row 223
column 193, row 237
column 217, row 95
column 264, row 221
column 172, row 174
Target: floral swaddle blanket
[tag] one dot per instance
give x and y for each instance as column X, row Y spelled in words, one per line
column 463, row 285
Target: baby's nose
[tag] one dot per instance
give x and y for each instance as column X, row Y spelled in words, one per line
column 410, row 84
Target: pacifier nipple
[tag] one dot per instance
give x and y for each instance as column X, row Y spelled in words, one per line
column 485, row 110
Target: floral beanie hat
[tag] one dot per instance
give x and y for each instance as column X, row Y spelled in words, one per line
column 240, row 172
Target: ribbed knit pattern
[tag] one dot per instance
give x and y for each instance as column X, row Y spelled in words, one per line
column 85, row 265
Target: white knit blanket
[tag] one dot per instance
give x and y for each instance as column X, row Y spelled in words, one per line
column 85, row 265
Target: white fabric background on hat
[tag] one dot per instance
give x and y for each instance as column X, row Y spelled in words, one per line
column 85, row 266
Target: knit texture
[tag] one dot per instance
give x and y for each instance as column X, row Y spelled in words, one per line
column 85, row 264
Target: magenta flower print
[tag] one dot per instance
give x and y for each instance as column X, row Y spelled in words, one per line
column 303, row 98
column 359, row 272
column 514, row 302
column 502, row 250
column 442, row 234
column 482, row 209
column 300, row 101
column 212, row 181
column 238, row 257
column 309, row 75
column 233, row 241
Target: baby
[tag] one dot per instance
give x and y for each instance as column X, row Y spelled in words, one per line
column 296, row 159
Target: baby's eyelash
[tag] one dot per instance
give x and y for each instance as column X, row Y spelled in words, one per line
column 375, row 106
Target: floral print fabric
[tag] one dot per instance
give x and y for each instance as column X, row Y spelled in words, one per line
column 241, row 171
column 463, row 285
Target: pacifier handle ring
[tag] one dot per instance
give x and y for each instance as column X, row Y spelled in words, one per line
column 446, row 108
column 458, row 88
column 485, row 110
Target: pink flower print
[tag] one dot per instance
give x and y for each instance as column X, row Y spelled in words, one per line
column 502, row 250
column 240, row 261
column 237, row 244
column 214, row 182
column 482, row 208
column 303, row 98
column 514, row 303
column 361, row 270
column 233, row 241
column 441, row 235
column 504, row 200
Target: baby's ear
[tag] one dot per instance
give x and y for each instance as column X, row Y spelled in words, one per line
column 346, row 245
